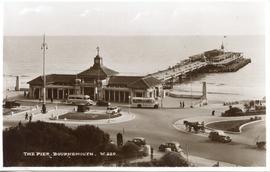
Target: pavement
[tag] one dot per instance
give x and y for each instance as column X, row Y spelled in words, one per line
column 193, row 160
column 51, row 113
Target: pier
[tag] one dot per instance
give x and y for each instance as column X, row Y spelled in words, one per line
column 179, row 71
column 213, row 61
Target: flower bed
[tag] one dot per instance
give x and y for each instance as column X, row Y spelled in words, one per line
column 87, row 116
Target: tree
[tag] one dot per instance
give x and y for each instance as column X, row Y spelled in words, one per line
column 51, row 137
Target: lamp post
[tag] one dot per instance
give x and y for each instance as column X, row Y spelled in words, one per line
column 44, row 47
column 191, row 103
column 129, row 104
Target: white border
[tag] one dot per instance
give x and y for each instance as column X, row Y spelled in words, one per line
column 267, row 72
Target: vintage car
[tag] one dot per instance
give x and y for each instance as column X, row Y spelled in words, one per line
column 102, row 103
column 173, row 146
column 261, row 144
column 233, row 111
column 11, row 104
column 113, row 110
column 219, row 137
column 139, row 141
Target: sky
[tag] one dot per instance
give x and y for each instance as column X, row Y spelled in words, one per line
column 134, row 18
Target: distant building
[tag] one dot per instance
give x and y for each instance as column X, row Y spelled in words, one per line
column 99, row 82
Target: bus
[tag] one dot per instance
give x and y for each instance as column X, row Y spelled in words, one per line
column 144, row 102
column 80, row 100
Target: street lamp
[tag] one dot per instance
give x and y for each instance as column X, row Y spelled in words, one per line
column 128, row 104
column 191, row 103
column 44, row 47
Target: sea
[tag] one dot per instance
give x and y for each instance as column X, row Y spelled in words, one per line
column 138, row 55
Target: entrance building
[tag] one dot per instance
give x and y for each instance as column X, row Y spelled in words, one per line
column 99, row 82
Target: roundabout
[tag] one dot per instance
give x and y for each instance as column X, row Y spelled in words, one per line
column 96, row 117
column 243, row 136
column 89, row 115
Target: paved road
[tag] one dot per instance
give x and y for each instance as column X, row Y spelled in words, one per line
column 156, row 126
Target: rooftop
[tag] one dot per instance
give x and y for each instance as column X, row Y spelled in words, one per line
column 54, row 78
column 138, row 82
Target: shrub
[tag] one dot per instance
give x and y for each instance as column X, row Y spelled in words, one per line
column 130, row 149
column 173, row 159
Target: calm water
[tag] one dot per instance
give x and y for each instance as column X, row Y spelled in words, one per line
column 138, row 54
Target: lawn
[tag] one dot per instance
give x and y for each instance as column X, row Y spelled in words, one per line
column 230, row 125
column 87, row 116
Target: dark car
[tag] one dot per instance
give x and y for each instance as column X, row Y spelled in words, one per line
column 174, row 146
column 102, row 103
column 139, row 141
column 233, row 111
column 217, row 137
column 11, row 104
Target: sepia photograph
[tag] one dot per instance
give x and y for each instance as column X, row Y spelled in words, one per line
column 133, row 84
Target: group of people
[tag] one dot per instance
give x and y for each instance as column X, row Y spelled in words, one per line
column 28, row 117
column 182, row 104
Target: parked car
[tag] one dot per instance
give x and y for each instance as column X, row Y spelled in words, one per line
column 139, row 141
column 113, row 110
column 219, row 137
column 80, row 100
column 261, row 144
column 11, row 104
column 174, row 146
column 233, row 111
column 103, row 103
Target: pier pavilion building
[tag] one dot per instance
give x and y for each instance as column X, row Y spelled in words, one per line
column 99, row 82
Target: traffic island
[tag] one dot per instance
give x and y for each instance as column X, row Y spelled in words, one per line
column 234, row 126
column 88, row 115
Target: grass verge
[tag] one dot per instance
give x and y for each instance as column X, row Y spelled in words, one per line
column 233, row 126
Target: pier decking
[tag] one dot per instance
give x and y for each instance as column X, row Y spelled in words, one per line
column 177, row 71
column 219, row 62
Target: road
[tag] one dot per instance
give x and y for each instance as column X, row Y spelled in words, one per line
column 155, row 125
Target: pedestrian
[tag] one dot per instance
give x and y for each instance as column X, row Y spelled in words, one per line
column 51, row 100
column 180, row 104
column 30, row 118
column 20, row 124
column 152, row 153
column 183, row 104
column 26, row 116
column 213, row 113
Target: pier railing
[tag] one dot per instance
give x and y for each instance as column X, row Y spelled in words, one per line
column 233, row 62
column 179, row 70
